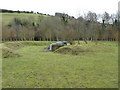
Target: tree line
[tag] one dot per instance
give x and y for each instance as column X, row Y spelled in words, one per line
column 63, row 27
column 18, row 11
column 12, row 11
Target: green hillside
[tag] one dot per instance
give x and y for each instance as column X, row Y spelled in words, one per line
column 8, row 17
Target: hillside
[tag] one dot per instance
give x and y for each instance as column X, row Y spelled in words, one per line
column 61, row 27
column 8, row 17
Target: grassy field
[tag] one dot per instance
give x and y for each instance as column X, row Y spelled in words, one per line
column 37, row 68
column 8, row 17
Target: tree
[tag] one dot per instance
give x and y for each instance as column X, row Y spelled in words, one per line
column 106, row 17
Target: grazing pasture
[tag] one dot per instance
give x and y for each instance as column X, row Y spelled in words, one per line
column 8, row 17
column 95, row 66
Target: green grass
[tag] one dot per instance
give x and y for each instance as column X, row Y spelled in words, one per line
column 8, row 17
column 19, row 44
column 86, row 48
column 9, row 48
column 38, row 69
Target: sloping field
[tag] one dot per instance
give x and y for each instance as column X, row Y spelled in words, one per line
column 8, row 17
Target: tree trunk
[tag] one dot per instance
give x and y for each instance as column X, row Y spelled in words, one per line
column 78, row 41
column 40, row 39
column 57, row 38
column 85, row 41
column 10, row 39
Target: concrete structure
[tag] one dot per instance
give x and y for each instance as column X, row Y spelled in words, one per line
column 55, row 46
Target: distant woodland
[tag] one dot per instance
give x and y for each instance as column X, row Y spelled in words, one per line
column 62, row 27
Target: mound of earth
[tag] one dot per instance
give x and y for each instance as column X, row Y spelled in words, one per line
column 6, row 53
column 73, row 50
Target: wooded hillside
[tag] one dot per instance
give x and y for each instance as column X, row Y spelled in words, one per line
column 62, row 27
